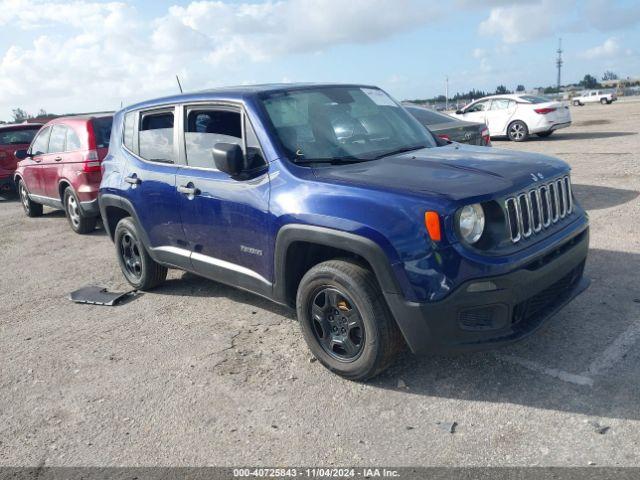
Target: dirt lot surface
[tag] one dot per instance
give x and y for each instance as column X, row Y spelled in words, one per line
column 197, row 373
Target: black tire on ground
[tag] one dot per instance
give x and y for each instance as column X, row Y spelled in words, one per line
column 78, row 220
column 545, row 134
column 517, row 131
column 31, row 208
column 140, row 270
column 604, row 101
column 576, row 103
column 364, row 323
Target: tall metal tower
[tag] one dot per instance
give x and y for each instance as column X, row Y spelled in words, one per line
column 559, row 62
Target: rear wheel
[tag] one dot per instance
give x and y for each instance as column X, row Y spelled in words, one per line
column 603, row 101
column 518, row 131
column 345, row 320
column 31, row 208
column 545, row 134
column 80, row 223
column 576, row 103
column 140, row 270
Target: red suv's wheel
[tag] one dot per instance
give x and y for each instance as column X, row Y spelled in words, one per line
column 80, row 223
column 31, row 208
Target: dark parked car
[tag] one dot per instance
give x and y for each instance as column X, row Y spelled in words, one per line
column 62, row 168
column 334, row 200
column 12, row 138
column 449, row 128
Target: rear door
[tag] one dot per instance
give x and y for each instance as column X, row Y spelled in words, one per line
column 499, row 115
column 32, row 172
column 52, row 162
column 149, row 176
column 225, row 220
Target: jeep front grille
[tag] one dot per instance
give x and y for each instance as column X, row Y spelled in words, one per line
column 531, row 211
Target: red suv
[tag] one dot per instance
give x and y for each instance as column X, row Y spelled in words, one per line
column 61, row 168
column 12, row 138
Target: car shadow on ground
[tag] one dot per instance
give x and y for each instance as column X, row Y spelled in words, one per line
column 192, row 285
column 582, row 333
column 584, row 136
column 593, row 197
column 9, row 198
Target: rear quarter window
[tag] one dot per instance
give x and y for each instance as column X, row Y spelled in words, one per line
column 102, row 131
column 155, row 138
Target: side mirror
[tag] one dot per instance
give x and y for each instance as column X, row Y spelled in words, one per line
column 459, row 112
column 21, row 154
column 228, row 158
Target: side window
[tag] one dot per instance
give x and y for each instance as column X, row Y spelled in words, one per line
column 73, row 141
column 155, row 138
column 57, row 140
column 41, row 142
column 206, row 127
column 129, row 123
column 478, row 107
column 500, row 104
column 255, row 158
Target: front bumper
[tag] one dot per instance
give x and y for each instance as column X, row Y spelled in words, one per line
column 520, row 304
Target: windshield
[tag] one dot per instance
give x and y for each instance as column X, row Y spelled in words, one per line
column 342, row 124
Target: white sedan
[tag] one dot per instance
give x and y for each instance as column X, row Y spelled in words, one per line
column 518, row 115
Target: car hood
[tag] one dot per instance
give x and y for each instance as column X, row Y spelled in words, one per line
column 454, row 171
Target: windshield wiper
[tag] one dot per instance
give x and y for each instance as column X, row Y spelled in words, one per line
column 401, row 150
column 332, row 160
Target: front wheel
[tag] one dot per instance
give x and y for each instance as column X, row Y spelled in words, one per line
column 140, row 270
column 80, row 223
column 345, row 320
column 518, row 131
column 31, row 208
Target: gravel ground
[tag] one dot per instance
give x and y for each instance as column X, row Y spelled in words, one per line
column 197, row 373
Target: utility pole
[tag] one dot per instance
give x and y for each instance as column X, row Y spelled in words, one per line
column 559, row 63
column 446, row 93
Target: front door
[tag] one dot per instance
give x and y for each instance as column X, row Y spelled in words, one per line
column 476, row 112
column 499, row 114
column 225, row 220
column 32, row 173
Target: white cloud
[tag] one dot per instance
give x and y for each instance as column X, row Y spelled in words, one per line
column 610, row 49
column 89, row 54
column 479, row 53
column 526, row 21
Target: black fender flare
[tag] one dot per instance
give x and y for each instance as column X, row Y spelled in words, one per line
column 110, row 200
column 356, row 244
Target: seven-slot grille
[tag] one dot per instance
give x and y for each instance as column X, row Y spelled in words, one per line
column 531, row 211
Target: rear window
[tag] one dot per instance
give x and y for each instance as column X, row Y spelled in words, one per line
column 102, row 131
column 429, row 117
column 535, row 99
column 18, row 136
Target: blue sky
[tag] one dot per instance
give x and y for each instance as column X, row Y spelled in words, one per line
column 70, row 56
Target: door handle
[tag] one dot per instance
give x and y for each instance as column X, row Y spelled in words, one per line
column 57, row 159
column 133, row 180
column 37, row 160
column 188, row 190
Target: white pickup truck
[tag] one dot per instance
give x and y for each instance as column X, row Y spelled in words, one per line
column 592, row 96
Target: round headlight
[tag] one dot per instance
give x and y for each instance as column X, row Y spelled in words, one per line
column 471, row 222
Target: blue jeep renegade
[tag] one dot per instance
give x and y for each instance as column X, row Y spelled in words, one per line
column 332, row 199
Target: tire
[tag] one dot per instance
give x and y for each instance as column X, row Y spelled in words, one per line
column 363, row 324
column 577, row 103
column 79, row 222
column 545, row 134
column 603, row 101
column 517, row 131
column 140, row 270
column 31, row 208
